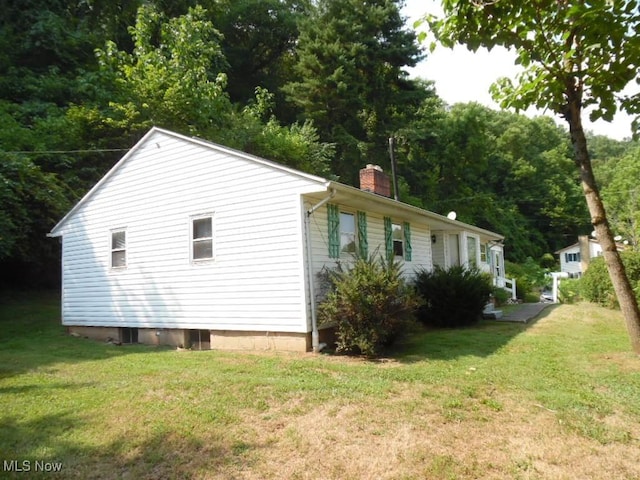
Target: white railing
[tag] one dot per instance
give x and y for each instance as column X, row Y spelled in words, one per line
column 509, row 284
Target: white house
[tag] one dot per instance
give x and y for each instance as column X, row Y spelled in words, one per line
column 575, row 258
column 185, row 242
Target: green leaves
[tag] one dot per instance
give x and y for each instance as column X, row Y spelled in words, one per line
column 566, row 47
column 174, row 75
column 621, row 195
column 370, row 305
column 350, row 79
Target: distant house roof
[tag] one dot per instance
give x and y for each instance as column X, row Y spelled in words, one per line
column 592, row 241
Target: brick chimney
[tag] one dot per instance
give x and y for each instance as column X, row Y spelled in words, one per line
column 373, row 179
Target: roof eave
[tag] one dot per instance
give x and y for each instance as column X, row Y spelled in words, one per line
column 395, row 204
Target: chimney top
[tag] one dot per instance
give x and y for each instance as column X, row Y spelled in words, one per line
column 373, row 179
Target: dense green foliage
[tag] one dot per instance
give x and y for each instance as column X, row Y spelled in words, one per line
column 569, row 290
column 453, row 297
column 369, row 304
column 530, row 278
column 319, row 86
column 595, row 284
column 621, row 193
column 350, row 78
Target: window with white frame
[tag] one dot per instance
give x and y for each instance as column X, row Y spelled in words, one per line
column 483, row 253
column 202, row 238
column 347, row 233
column 118, row 248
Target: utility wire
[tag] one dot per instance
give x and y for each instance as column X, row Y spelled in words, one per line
column 60, row 152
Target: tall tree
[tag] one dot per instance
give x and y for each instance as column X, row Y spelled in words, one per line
column 259, row 40
column 351, row 82
column 575, row 54
column 174, row 75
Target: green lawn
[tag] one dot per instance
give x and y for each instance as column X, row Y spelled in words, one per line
column 558, row 399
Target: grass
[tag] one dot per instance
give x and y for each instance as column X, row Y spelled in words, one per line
column 558, row 398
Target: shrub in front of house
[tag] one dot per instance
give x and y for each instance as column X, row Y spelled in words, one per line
column 595, row 284
column 454, row 297
column 530, row 278
column 569, row 290
column 369, row 304
column 500, row 295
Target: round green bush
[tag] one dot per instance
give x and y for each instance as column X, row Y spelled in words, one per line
column 454, row 297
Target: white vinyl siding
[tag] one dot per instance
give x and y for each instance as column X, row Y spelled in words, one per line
column 257, row 279
column 420, row 240
column 570, row 261
column 250, row 267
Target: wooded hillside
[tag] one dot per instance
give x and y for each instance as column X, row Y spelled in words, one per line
column 317, row 85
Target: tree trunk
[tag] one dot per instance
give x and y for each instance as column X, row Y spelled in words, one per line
column 622, row 287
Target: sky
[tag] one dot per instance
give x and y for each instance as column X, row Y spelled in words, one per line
column 463, row 76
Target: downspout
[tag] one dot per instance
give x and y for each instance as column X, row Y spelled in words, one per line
column 315, row 337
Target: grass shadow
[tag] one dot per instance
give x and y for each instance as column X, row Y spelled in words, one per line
column 47, row 447
column 35, row 388
column 479, row 340
column 32, row 336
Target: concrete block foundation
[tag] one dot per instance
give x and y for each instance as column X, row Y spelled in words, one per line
column 204, row 339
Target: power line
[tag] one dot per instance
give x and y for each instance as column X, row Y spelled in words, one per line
column 61, row 152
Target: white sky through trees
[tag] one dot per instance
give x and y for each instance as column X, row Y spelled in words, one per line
column 463, row 76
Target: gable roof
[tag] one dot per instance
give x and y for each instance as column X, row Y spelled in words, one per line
column 346, row 191
column 572, row 246
column 55, row 231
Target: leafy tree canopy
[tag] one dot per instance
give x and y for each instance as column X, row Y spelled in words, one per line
column 350, row 78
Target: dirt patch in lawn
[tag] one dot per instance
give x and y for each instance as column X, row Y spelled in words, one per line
column 412, row 436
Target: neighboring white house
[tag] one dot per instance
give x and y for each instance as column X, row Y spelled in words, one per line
column 575, row 258
column 185, row 242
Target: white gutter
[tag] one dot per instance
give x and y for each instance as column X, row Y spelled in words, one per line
column 315, row 336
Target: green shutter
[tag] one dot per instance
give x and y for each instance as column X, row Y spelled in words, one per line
column 334, row 230
column 407, row 241
column 388, row 237
column 363, row 244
